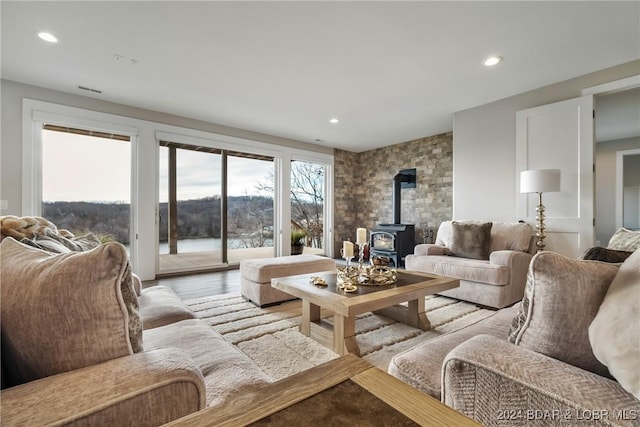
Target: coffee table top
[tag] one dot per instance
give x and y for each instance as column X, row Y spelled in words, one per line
column 409, row 285
column 339, row 388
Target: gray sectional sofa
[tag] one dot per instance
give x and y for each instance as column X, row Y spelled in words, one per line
column 535, row 363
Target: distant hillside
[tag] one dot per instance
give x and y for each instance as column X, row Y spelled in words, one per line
column 196, row 218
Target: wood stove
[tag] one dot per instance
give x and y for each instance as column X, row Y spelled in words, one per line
column 395, row 241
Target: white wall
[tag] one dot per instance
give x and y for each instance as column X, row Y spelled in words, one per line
column 484, row 170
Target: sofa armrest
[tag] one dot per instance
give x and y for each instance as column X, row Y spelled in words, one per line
column 518, row 264
column 496, row 382
column 429, row 249
column 150, row 388
column 510, row 258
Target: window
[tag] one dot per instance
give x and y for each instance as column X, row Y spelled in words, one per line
column 86, row 182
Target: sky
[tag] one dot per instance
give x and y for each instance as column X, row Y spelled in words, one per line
column 69, row 161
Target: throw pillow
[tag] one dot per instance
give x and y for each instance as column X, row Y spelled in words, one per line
column 604, row 254
column 470, row 240
column 46, row 244
column 614, row 334
column 561, row 298
column 625, row 240
column 62, row 312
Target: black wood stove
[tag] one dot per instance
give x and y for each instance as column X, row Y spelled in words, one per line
column 395, row 241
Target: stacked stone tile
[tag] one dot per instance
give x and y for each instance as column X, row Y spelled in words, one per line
column 364, row 185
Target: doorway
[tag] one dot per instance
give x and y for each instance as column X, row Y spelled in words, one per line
column 617, row 131
column 628, row 189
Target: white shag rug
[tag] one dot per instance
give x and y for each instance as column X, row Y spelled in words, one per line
column 271, row 338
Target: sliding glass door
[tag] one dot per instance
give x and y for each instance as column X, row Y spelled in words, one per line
column 216, row 207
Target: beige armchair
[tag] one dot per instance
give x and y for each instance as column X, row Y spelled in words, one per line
column 490, row 259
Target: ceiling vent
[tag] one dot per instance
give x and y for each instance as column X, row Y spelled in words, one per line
column 89, row 89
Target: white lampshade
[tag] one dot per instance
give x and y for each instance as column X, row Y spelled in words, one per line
column 540, row 181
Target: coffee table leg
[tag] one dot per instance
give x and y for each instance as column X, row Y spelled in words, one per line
column 344, row 335
column 310, row 313
column 416, row 315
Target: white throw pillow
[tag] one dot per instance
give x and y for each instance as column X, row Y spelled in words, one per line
column 615, row 331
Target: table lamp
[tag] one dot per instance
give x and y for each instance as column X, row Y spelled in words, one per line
column 540, row 181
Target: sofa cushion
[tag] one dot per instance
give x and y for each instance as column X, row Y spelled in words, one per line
column 614, row 333
column 511, row 236
column 470, row 240
column 562, row 296
column 62, row 312
column 264, row 269
column 625, row 240
column 421, row 366
column 159, row 306
column 473, row 270
column 227, row 371
column 504, row 235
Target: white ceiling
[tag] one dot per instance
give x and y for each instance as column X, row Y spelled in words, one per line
column 390, row 71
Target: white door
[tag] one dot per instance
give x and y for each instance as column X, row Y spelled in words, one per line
column 560, row 136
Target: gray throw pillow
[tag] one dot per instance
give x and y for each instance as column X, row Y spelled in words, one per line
column 561, row 298
column 470, row 240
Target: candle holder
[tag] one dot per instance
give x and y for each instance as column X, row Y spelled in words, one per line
column 347, row 276
column 347, row 260
column 361, row 248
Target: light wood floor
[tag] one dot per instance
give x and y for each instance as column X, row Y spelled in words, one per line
column 201, row 284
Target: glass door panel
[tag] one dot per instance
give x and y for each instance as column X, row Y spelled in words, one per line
column 190, row 208
column 307, row 206
column 250, row 209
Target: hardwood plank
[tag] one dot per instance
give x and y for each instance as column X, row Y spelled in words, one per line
column 200, row 284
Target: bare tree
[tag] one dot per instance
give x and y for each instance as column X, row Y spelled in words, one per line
column 307, row 198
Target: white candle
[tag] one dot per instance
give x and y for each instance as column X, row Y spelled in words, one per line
column 361, row 236
column 347, row 249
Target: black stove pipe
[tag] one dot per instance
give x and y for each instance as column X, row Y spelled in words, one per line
column 397, row 187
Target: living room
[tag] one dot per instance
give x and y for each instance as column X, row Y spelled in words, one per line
column 468, row 159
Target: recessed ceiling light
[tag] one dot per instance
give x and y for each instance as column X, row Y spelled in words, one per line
column 48, row 37
column 334, row 120
column 492, row 60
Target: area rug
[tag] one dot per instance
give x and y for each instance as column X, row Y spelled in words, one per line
column 270, row 336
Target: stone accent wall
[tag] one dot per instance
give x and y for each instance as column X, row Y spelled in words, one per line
column 345, row 200
column 364, row 186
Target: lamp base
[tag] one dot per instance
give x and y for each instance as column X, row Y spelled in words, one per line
column 540, row 235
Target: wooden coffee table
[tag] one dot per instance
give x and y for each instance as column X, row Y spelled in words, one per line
column 348, row 390
column 410, row 287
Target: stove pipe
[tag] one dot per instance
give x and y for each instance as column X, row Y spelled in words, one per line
column 397, row 186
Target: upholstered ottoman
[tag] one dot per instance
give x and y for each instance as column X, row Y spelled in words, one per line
column 256, row 275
